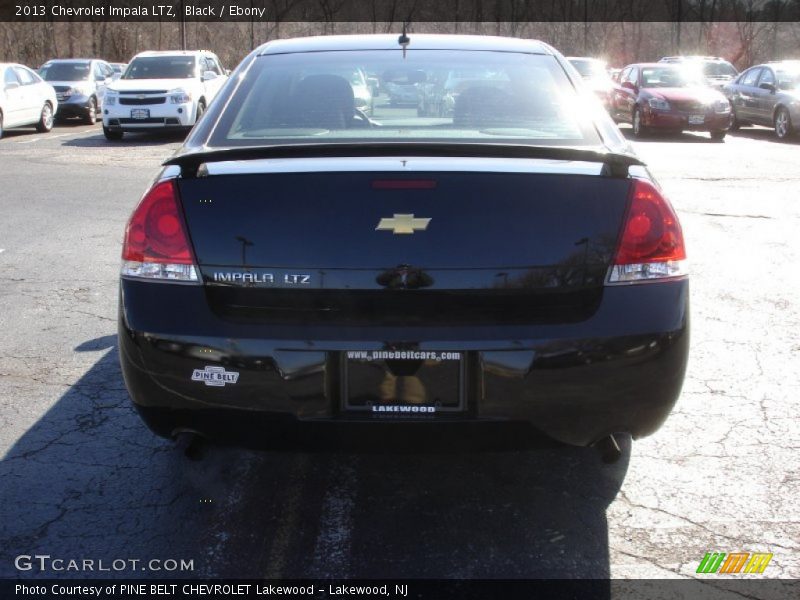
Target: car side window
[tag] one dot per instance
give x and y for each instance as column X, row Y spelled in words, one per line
column 633, row 76
column 213, row 65
column 25, row 77
column 750, row 77
column 9, row 77
column 767, row 76
column 203, row 65
column 97, row 72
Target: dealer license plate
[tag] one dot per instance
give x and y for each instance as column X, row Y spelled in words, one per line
column 140, row 113
column 403, row 383
column 697, row 119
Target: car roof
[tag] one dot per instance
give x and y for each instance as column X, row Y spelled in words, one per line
column 172, row 53
column 660, row 65
column 418, row 41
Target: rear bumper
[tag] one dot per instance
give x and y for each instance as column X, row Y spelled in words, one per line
column 621, row 370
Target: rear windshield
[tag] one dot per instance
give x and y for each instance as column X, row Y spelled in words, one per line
column 589, row 68
column 65, row 71
column 426, row 96
column 161, row 67
column 719, row 69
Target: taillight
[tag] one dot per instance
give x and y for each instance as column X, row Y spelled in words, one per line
column 156, row 244
column 651, row 245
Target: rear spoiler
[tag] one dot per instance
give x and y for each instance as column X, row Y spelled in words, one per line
column 615, row 164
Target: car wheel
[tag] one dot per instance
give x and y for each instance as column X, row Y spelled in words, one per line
column 1, row 125
column 783, row 124
column 718, row 136
column 112, row 135
column 201, row 108
column 639, row 130
column 734, row 124
column 45, row 122
column 90, row 118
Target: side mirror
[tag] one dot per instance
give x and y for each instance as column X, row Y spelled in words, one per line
column 12, row 85
column 768, row 86
column 629, row 85
column 227, row 72
column 208, row 76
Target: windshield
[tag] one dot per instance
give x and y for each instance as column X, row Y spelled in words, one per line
column 719, row 69
column 161, row 67
column 65, row 71
column 788, row 79
column 669, row 77
column 428, row 96
column 589, row 68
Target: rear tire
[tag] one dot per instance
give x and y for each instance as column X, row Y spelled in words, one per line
column 201, row 108
column 639, row 130
column 718, row 136
column 46, row 119
column 735, row 125
column 90, row 118
column 111, row 135
column 783, row 124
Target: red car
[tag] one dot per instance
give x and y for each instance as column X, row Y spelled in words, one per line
column 668, row 97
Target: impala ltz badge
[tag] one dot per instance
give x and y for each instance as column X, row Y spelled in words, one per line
column 402, row 224
column 215, row 376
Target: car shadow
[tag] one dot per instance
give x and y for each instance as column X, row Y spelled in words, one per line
column 763, row 134
column 161, row 138
column 88, row 480
column 686, row 137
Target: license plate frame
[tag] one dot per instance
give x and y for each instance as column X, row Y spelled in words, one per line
column 446, row 378
column 697, row 119
column 140, row 114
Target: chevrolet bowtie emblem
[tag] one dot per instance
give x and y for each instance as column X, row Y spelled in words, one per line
column 402, row 224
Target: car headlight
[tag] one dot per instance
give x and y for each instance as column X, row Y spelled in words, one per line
column 110, row 99
column 658, row 104
column 722, row 106
column 180, row 96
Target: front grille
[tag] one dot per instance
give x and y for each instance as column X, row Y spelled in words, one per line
column 689, row 106
column 151, row 121
column 141, row 101
column 143, row 92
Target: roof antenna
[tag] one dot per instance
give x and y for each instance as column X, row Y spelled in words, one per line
column 404, row 40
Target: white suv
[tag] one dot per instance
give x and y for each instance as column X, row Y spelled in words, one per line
column 161, row 90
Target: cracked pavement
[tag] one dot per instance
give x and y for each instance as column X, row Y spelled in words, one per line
column 83, row 478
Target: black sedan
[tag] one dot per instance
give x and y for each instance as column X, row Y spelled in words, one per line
column 299, row 264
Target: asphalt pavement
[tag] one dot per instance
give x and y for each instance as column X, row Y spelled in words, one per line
column 83, row 478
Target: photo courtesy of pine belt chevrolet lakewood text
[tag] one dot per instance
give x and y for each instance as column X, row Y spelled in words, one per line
column 433, row 229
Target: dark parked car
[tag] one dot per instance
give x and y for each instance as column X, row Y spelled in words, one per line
column 80, row 86
column 667, row 97
column 296, row 265
column 769, row 95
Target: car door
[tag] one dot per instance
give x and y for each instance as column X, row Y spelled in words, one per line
column 212, row 86
column 629, row 93
column 15, row 106
column 744, row 97
column 101, row 73
column 765, row 96
column 618, row 95
column 32, row 99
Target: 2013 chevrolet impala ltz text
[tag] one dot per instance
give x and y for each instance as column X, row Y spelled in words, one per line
column 303, row 262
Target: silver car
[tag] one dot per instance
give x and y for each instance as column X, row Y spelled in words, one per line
column 769, row 95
